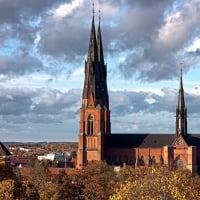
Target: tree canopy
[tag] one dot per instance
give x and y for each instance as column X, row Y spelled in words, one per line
column 158, row 183
column 99, row 181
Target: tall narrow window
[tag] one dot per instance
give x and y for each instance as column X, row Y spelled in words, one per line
column 179, row 163
column 90, row 125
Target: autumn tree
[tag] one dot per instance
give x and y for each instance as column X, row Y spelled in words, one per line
column 98, row 178
column 6, row 172
column 11, row 189
column 39, row 174
column 30, row 192
column 95, row 181
column 159, row 183
column 68, row 187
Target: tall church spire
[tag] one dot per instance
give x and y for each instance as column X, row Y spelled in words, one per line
column 95, row 84
column 94, row 122
column 99, row 43
column 92, row 50
column 181, row 111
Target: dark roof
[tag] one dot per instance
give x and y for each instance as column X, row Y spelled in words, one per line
column 3, row 150
column 147, row 140
column 193, row 140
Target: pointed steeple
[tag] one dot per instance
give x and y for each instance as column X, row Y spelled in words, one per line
column 181, row 101
column 181, row 111
column 92, row 50
column 94, row 121
column 103, row 67
column 99, row 43
column 95, row 82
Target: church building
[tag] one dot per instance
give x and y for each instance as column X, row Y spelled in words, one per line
column 96, row 142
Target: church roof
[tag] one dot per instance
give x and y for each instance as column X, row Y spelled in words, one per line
column 147, row 140
column 3, row 150
column 193, row 140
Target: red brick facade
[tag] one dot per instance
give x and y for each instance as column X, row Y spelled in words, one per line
column 95, row 141
column 93, row 126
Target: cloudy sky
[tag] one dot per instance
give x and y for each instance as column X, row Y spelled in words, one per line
column 43, row 46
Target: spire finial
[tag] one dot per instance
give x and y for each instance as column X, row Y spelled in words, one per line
column 181, row 68
column 99, row 14
column 93, row 7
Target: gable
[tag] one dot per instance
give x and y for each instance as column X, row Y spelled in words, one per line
column 180, row 142
column 91, row 101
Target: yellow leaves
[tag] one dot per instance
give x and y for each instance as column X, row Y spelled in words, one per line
column 11, row 190
column 99, row 181
column 159, row 183
column 6, row 189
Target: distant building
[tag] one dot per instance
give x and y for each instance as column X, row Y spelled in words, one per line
column 95, row 141
column 50, row 156
column 55, row 157
column 22, row 161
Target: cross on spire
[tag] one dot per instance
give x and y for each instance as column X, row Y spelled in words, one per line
column 93, row 7
column 99, row 14
column 181, row 68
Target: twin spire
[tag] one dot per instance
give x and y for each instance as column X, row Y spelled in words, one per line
column 95, row 84
column 181, row 111
column 95, row 51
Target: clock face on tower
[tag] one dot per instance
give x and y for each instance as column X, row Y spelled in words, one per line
column 179, row 142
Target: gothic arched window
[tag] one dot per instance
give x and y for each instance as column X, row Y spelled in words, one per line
column 179, row 163
column 90, row 125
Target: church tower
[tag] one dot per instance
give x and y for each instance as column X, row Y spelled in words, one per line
column 94, row 121
column 181, row 112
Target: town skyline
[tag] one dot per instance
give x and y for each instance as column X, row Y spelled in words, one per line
column 42, row 53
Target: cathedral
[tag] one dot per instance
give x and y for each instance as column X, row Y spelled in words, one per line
column 178, row 150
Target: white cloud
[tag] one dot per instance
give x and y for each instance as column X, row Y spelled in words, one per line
column 77, row 73
column 177, row 28
column 49, row 41
column 195, row 91
column 150, row 100
column 133, row 127
column 195, row 45
column 67, row 8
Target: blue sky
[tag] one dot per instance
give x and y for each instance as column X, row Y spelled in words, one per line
column 42, row 53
